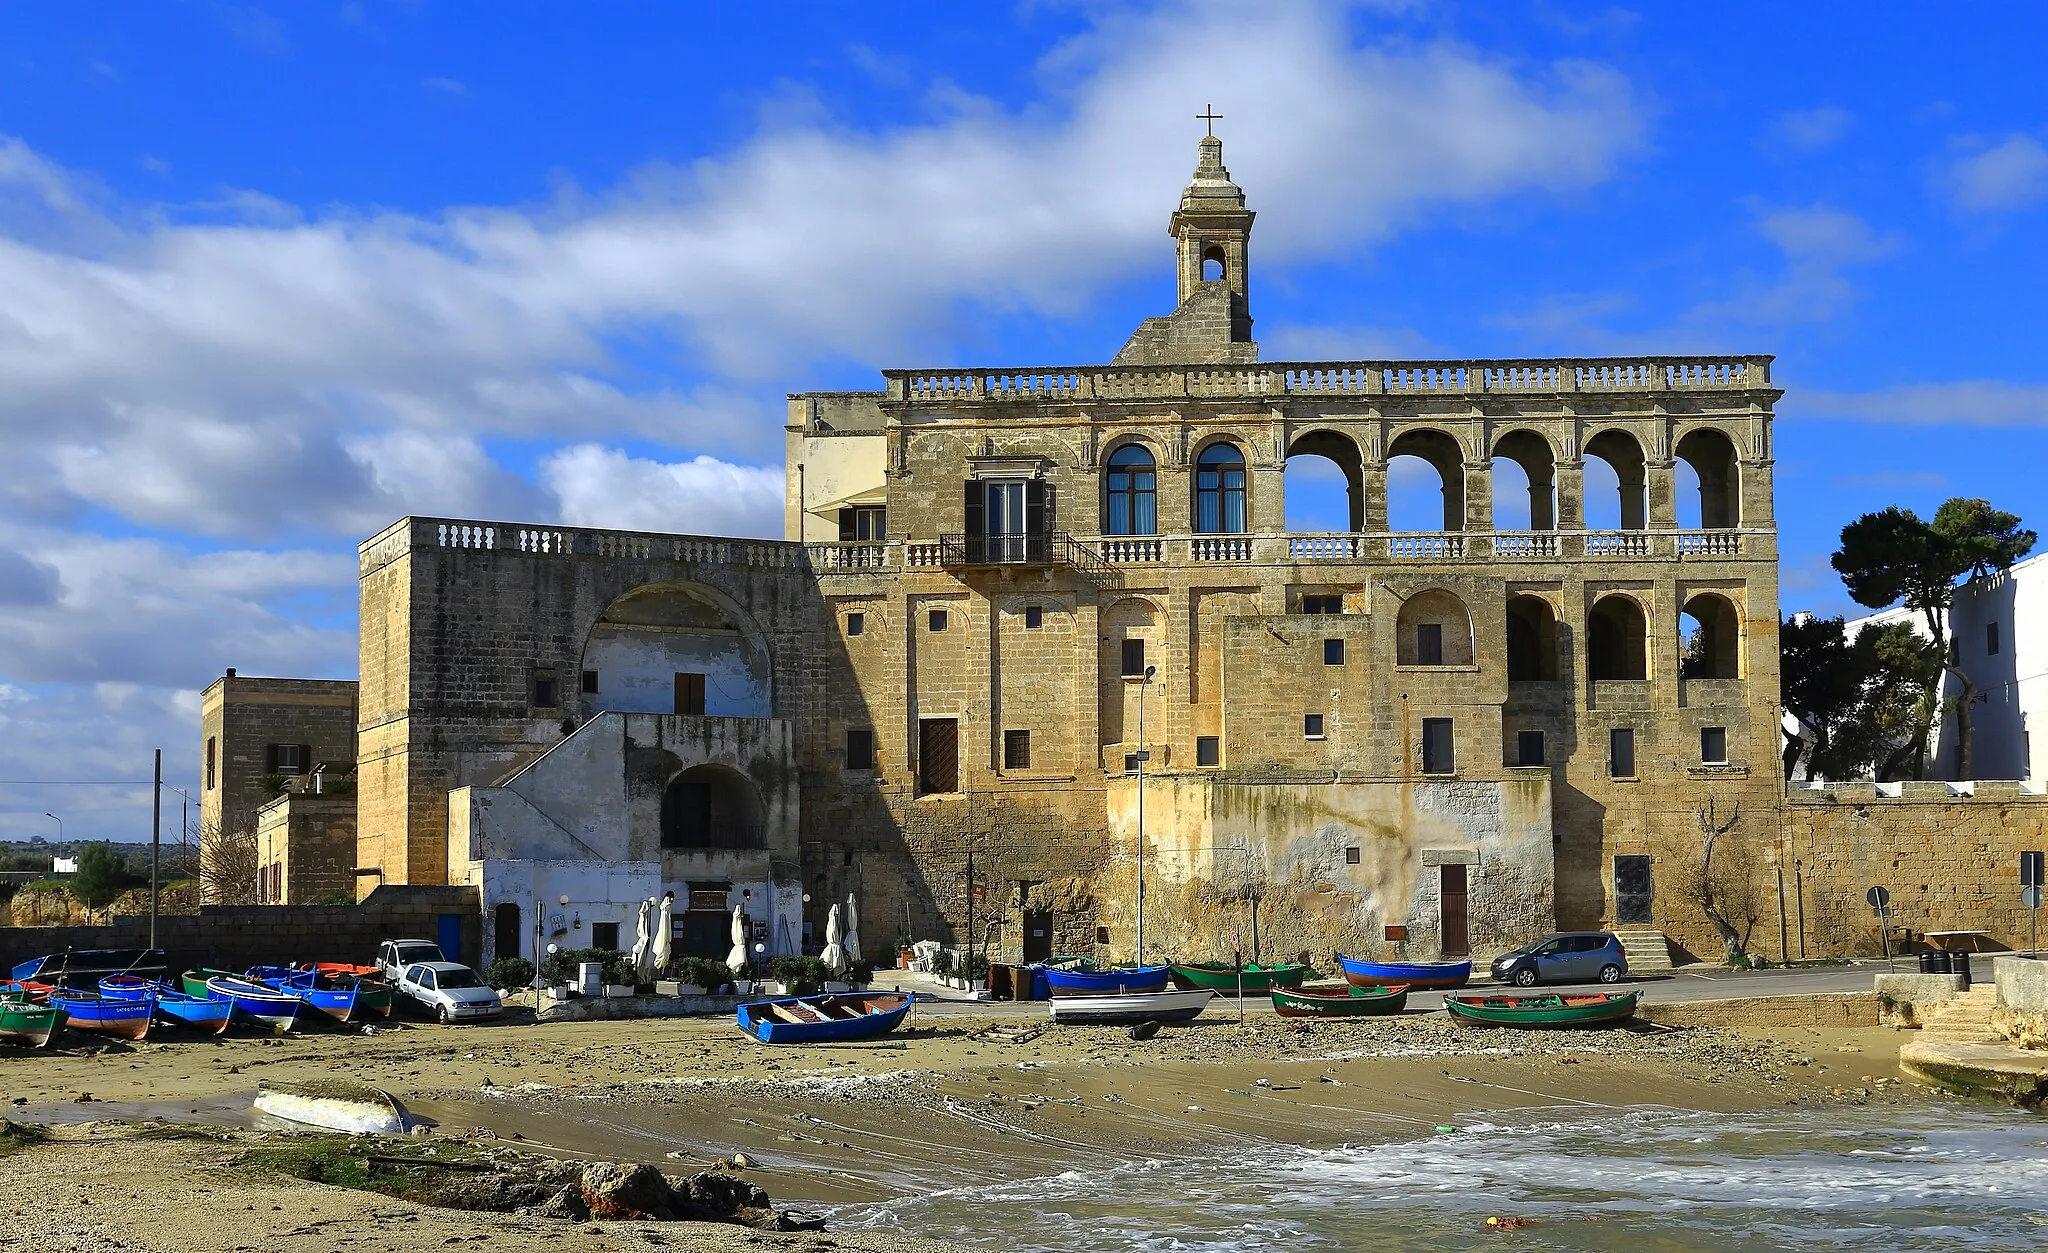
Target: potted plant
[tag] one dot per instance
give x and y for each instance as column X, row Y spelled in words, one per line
column 860, row 974
column 977, row 973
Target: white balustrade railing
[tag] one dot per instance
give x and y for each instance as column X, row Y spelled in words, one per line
column 1709, row 544
column 1125, row 549
column 1525, row 544
column 467, row 535
column 1617, row 544
column 848, row 556
column 1338, row 547
column 1426, row 546
column 924, row 555
column 1220, row 548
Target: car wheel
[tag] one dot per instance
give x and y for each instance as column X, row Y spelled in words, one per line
column 1525, row 977
column 1610, row 974
column 441, row 1012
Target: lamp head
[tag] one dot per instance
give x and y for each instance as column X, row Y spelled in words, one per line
column 1149, row 672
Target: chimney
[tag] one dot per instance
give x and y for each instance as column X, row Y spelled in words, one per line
column 231, row 672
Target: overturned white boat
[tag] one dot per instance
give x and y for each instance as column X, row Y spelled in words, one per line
column 349, row 1107
column 1175, row 1006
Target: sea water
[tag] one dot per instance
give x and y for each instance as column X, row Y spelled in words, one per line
column 1947, row 1176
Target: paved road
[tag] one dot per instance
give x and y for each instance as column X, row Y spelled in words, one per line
column 1690, row 984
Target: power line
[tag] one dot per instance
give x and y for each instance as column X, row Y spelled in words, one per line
column 75, row 782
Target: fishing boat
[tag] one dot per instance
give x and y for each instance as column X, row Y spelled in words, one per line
column 375, row 993
column 337, row 1000
column 25, row 1022
column 105, row 1015
column 335, row 1105
column 1134, row 980
column 265, row 1006
column 343, row 970
column 1340, row 1000
column 1417, row 975
column 1225, row 978
column 84, row 968
column 1176, row 1006
column 1552, row 1009
column 208, row 1013
column 817, row 1019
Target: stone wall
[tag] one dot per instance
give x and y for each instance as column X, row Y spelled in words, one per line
column 306, row 845
column 235, row 937
column 242, row 717
column 1950, row 862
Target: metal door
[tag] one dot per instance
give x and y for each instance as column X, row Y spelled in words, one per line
column 938, row 757
column 1037, row 935
column 448, row 934
column 1451, row 892
column 1632, row 890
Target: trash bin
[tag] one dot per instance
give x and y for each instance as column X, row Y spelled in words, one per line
column 1962, row 967
column 1927, row 961
column 1942, row 965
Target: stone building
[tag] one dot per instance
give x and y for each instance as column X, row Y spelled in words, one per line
column 1010, row 593
column 262, row 737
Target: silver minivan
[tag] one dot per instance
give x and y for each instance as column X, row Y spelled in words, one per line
column 1565, row 957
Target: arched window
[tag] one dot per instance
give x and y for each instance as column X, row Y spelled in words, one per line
column 1133, row 493
column 1532, row 640
column 1710, row 639
column 1710, row 455
column 711, row 806
column 1212, row 265
column 1219, row 491
column 1433, row 629
column 1615, row 632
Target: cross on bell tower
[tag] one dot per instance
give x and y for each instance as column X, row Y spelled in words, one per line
column 1212, row 228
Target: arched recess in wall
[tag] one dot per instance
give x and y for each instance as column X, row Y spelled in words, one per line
column 1222, row 504
column 1133, row 637
column 1413, row 502
column 1533, row 507
column 672, row 647
column 1215, row 266
column 1130, row 485
column 1325, row 484
column 1711, row 456
column 1710, row 638
column 1621, row 506
column 1433, row 629
column 1531, row 639
column 1617, row 640
column 712, row 807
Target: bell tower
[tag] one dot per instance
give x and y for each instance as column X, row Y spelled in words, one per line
column 1212, row 228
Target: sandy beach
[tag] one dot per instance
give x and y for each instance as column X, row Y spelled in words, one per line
column 957, row 1101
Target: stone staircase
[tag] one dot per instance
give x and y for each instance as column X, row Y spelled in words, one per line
column 1649, row 953
column 1964, row 1019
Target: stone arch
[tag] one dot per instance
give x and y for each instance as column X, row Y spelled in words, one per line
column 712, row 806
column 1442, row 452
column 1222, row 495
column 651, row 635
column 1433, row 628
column 1130, row 489
column 1537, row 459
column 1337, row 449
column 1711, row 454
column 1214, row 255
column 1531, row 639
column 1617, row 639
column 1622, row 453
column 1711, row 646
column 1131, row 620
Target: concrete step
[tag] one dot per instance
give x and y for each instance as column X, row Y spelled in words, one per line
column 1964, row 1019
column 1649, row 952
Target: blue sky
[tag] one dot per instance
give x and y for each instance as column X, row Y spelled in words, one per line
column 272, row 275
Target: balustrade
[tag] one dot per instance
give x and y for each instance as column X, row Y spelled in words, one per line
column 1326, row 547
column 847, row 556
column 1220, row 548
column 1617, row 544
column 1126, row 550
column 1426, row 546
column 1524, row 544
column 1709, row 544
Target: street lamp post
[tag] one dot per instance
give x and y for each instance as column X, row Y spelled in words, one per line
column 1144, row 682
column 60, row 826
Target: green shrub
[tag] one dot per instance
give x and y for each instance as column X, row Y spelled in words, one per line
column 509, row 972
column 942, row 962
column 560, row 967
column 860, row 972
column 701, row 971
column 801, row 976
column 977, row 966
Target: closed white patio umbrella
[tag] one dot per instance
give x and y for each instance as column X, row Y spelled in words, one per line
column 664, row 933
column 835, row 952
column 851, row 941
column 737, row 958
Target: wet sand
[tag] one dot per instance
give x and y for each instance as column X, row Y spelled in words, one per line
column 957, row 1101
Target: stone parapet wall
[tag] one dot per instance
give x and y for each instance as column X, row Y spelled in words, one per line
column 2021, row 1014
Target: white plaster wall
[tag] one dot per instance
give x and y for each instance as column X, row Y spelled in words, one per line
column 637, row 667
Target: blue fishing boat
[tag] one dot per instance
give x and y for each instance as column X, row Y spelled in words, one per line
column 1129, row 982
column 818, row 1019
column 266, row 1006
column 83, row 968
column 89, row 1011
column 1417, row 975
column 208, row 1013
column 335, row 999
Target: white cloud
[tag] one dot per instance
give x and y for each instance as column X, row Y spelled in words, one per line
column 2008, row 176
column 604, row 487
column 1810, row 130
column 1968, row 402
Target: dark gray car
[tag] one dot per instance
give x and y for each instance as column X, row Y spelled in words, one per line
column 1564, row 957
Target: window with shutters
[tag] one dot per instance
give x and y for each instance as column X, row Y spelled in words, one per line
column 938, row 757
column 1007, row 521
column 860, row 748
column 287, row 758
column 1429, row 644
column 863, row 525
column 1016, row 750
column 689, row 693
column 1438, row 753
column 1133, row 659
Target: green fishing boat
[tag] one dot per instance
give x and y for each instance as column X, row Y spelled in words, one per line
column 1339, row 1000
column 25, row 1022
column 194, row 980
column 1552, row 1010
column 1224, row 977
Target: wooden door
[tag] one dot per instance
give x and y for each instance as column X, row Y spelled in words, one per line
column 689, row 693
column 1451, row 894
column 938, row 757
column 1037, row 928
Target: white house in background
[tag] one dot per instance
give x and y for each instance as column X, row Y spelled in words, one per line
column 64, row 865
column 2000, row 625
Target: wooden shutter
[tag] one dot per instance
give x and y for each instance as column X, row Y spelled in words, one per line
column 305, row 759
column 846, row 520
column 270, row 759
column 977, row 510
column 1034, row 507
column 938, row 759
column 689, row 693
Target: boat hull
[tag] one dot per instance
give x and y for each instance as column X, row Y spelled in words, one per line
column 823, row 1019
column 83, row 968
column 1135, row 981
column 1255, row 980
column 336, row 1107
column 1551, row 1010
column 1340, row 1002
column 1178, row 1006
column 31, row 1025
column 338, row 1001
column 253, row 1002
column 124, row 1020
column 1418, row 976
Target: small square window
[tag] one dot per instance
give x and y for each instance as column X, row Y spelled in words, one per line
column 1991, row 639
column 1312, row 726
column 860, row 748
column 1016, row 750
column 1333, row 652
column 1429, row 644
column 857, row 624
column 1621, row 753
column 1439, row 755
column 1528, row 748
column 1322, row 604
column 936, row 620
column 1131, row 763
column 1714, row 746
column 590, row 682
column 545, row 694
column 1102, row 935
column 1034, row 617
column 1208, row 750
column 1134, row 659
column 1351, row 855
